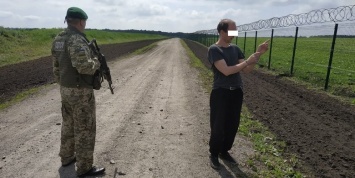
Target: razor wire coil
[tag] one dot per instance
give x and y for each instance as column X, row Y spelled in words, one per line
column 338, row 14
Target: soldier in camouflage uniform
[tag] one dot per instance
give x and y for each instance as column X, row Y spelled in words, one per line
column 74, row 66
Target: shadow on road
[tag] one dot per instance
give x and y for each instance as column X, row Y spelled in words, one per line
column 67, row 172
column 229, row 170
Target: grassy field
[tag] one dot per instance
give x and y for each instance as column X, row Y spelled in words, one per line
column 310, row 62
column 27, row 44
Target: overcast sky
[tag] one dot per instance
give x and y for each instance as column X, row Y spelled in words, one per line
column 163, row 15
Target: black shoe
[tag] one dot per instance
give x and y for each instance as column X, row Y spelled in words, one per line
column 69, row 163
column 215, row 162
column 227, row 157
column 94, row 171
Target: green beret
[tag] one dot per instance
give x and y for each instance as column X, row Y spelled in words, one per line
column 76, row 13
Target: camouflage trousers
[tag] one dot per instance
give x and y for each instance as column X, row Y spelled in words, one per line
column 78, row 127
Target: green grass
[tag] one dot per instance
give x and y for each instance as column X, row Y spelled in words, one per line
column 270, row 159
column 19, row 45
column 110, row 37
column 27, row 44
column 19, row 97
column 310, row 62
column 22, row 45
column 205, row 75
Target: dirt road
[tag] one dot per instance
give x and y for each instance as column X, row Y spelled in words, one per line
column 155, row 125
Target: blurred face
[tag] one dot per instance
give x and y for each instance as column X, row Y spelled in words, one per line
column 81, row 25
column 233, row 27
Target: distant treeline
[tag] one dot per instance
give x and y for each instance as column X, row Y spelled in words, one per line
column 338, row 36
column 168, row 34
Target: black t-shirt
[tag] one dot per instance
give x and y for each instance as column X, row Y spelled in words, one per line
column 231, row 54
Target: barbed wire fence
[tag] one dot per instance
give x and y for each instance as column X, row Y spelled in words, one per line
column 339, row 14
column 312, row 46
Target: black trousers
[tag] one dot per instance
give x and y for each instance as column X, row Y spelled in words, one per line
column 225, row 108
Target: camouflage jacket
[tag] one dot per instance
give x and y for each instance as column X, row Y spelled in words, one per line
column 73, row 61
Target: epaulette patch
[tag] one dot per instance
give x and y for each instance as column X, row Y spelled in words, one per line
column 59, row 46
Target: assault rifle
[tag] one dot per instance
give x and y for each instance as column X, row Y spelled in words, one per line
column 104, row 72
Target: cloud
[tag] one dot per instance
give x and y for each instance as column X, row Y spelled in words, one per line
column 282, row 2
column 31, row 18
column 112, row 2
column 163, row 15
column 148, row 10
column 6, row 14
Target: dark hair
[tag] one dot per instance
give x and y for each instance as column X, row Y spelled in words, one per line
column 224, row 24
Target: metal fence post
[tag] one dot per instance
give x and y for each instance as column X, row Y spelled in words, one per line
column 205, row 39
column 331, row 56
column 270, row 50
column 245, row 41
column 256, row 40
column 200, row 38
column 294, row 51
column 211, row 39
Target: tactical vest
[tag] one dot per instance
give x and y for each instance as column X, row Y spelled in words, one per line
column 69, row 76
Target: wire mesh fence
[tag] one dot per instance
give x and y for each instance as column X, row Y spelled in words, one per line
column 317, row 47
